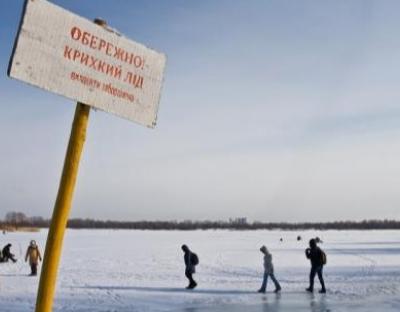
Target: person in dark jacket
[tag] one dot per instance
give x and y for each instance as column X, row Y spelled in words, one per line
column 316, row 256
column 190, row 266
column 7, row 255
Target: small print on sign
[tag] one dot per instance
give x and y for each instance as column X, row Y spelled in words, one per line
column 66, row 54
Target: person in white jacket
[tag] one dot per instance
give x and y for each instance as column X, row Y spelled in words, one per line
column 268, row 271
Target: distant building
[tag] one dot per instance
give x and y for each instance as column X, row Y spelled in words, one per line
column 238, row 221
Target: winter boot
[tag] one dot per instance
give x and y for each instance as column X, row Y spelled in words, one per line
column 277, row 289
column 192, row 285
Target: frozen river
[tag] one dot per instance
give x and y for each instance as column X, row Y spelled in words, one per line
column 106, row 270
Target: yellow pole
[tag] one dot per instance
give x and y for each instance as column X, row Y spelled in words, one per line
column 48, row 277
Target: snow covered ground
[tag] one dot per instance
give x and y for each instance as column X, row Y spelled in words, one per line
column 106, row 270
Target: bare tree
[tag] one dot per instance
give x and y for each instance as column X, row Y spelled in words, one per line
column 16, row 218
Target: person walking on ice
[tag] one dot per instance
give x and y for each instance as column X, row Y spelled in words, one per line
column 318, row 260
column 268, row 271
column 33, row 254
column 191, row 260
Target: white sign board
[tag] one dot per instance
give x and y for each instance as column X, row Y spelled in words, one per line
column 71, row 56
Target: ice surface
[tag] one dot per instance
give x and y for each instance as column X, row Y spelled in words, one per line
column 118, row 270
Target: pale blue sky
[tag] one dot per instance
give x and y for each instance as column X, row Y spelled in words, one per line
column 274, row 110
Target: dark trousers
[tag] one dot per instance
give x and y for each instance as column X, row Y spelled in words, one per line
column 316, row 270
column 9, row 257
column 189, row 275
column 33, row 269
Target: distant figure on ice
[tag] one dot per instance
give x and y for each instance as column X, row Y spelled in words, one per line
column 191, row 260
column 268, row 271
column 7, row 255
column 318, row 260
column 33, row 254
column 298, row 238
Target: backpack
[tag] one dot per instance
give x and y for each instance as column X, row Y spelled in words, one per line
column 323, row 257
column 194, row 259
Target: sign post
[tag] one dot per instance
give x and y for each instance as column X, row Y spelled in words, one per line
column 52, row 255
column 66, row 54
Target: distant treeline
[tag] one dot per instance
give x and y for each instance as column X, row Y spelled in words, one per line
column 209, row 225
column 18, row 220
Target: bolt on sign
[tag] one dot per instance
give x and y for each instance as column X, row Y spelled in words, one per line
column 71, row 56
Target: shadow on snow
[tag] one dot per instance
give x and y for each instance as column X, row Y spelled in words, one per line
column 172, row 290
